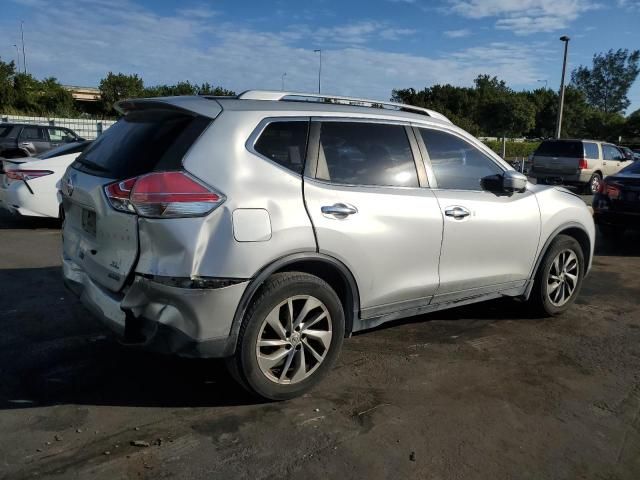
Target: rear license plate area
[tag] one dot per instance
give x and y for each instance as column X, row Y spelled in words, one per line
column 89, row 222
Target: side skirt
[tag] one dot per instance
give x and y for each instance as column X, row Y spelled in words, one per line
column 368, row 323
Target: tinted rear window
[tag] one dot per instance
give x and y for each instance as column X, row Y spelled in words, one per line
column 559, row 148
column 141, row 142
column 591, row 150
column 285, row 143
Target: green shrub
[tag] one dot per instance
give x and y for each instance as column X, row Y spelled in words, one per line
column 514, row 149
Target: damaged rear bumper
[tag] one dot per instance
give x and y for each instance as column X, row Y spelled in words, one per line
column 191, row 322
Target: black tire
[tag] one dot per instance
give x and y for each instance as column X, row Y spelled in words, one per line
column 611, row 232
column 540, row 296
column 244, row 367
column 594, row 182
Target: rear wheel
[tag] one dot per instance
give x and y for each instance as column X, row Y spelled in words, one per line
column 594, row 183
column 559, row 276
column 290, row 337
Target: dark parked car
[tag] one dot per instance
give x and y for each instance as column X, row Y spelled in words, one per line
column 616, row 206
column 628, row 153
column 24, row 140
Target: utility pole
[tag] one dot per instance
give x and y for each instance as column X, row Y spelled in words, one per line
column 283, row 75
column 564, row 39
column 319, row 67
column 24, row 57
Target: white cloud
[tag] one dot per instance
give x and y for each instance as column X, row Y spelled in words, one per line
column 93, row 37
column 629, row 4
column 463, row 32
column 525, row 17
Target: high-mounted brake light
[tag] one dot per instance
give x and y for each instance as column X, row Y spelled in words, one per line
column 583, row 164
column 26, row 174
column 163, row 195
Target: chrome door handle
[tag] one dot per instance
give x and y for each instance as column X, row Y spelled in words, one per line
column 338, row 210
column 457, row 212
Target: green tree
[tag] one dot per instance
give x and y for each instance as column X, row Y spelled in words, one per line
column 116, row 87
column 509, row 115
column 607, row 83
column 53, row 98
column 7, row 91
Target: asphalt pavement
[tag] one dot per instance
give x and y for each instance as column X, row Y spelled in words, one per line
column 486, row 391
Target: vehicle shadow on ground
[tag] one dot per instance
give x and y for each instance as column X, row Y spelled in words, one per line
column 10, row 222
column 52, row 351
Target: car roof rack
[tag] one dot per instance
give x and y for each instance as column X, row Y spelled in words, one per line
column 275, row 95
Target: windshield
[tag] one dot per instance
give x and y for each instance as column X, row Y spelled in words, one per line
column 66, row 149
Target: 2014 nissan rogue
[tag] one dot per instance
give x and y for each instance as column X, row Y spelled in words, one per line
column 265, row 228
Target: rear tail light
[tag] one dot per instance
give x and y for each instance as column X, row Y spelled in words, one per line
column 163, row 195
column 583, row 164
column 26, row 174
column 609, row 190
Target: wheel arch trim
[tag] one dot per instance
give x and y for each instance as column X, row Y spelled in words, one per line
column 559, row 230
column 353, row 296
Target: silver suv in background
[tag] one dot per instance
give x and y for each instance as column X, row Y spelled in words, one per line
column 267, row 227
column 581, row 163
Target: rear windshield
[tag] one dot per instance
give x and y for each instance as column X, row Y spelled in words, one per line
column 141, row 142
column 4, row 131
column 66, row 149
column 560, row 148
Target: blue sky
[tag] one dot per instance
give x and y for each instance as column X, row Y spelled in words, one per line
column 368, row 47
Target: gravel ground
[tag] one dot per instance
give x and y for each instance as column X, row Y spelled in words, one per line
column 487, row 391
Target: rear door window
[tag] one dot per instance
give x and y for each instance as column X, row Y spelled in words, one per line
column 591, row 150
column 32, row 133
column 560, row 148
column 141, row 142
column 284, row 143
column 360, row 153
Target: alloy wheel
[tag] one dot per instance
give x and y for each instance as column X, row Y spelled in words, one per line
column 294, row 339
column 563, row 277
column 595, row 184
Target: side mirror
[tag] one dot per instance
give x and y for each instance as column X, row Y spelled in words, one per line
column 510, row 181
column 513, row 181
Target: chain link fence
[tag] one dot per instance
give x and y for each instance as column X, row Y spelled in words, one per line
column 84, row 127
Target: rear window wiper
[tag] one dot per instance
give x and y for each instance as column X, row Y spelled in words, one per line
column 91, row 165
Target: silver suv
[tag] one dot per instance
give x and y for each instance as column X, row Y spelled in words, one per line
column 267, row 227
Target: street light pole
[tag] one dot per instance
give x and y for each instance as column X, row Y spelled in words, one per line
column 24, row 57
column 319, row 67
column 564, row 39
column 17, row 57
column 545, row 82
column 283, row 75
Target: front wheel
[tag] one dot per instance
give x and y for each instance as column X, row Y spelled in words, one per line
column 559, row 276
column 290, row 336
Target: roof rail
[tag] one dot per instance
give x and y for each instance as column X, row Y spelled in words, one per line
column 274, row 95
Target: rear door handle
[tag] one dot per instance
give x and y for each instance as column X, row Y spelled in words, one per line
column 457, row 212
column 339, row 210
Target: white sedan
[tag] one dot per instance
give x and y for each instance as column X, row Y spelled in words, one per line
column 29, row 186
